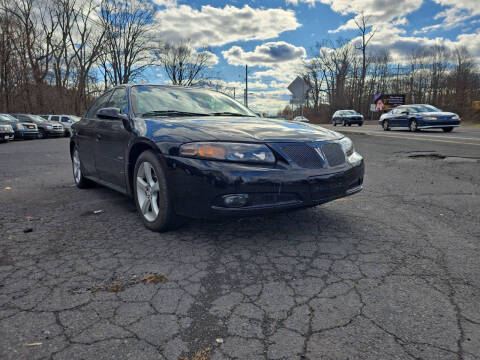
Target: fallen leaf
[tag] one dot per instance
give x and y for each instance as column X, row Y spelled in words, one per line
column 154, row 278
column 202, row 354
column 115, row 287
column 33, row 344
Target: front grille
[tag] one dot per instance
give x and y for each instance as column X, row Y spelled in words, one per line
column 334, row 154
column 303, row 155
column 57, row 127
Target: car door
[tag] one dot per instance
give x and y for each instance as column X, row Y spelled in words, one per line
column 111, row 143
column 86, row 135
column 401, row 118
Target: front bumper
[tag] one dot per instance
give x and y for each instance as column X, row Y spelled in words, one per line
column 438, row 124
column 6, row 136
column 198, row 186
column 26, row 134
column 55, row 133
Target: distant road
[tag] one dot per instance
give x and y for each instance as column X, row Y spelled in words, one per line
column 461, row 135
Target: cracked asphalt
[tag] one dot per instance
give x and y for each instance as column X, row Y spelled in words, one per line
column 390, row 273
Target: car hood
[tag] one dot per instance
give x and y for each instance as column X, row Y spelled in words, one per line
column 437, row 113
column 232, row 129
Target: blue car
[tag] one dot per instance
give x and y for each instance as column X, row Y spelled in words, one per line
column 23, row 130
column 419, row 116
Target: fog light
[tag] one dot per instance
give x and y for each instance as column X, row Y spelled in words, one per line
column 235, row 200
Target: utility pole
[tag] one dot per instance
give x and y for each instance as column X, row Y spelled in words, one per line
column 246, row 86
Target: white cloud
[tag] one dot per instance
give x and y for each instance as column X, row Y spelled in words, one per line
column 456, row 13
column 267, row 54
column 219, row 26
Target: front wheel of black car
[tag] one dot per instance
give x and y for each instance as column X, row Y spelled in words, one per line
column 447, row 129
column 41, row 134
column 80, row 180
column 152, row 198
column 385, row 125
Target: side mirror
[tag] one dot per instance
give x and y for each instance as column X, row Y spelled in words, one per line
column 115, row 114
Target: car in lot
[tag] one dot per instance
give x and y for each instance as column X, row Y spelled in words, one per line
column 6, row 130
column 419, row 116
column 22, row 129
column 301, row 119
column 45, row 128
column 66, row 120
column 347, row 117
column 189, row 152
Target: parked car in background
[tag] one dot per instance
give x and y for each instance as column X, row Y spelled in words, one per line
column 347, row 117
column 301, row 119
column 419, row 116
column 45, row 128
column 66, row 120
column 22, row 129
column 153, row 142
column 6, row 130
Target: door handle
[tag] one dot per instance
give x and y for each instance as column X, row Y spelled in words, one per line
column 98, row 137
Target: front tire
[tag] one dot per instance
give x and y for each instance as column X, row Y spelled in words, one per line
column 447, row 129
column 41, row 134
column 152, row 196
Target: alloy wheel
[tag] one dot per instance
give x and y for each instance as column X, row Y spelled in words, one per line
column 77, row 172
column 413, row 125
column 385, row 125
column 148, row 191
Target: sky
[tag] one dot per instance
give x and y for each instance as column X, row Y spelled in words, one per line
column 274, row 37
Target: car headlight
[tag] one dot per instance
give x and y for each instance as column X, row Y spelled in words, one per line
column 455, row 117
column 49, row 127
column 228, row 151
column 347, row 145
column 20, row 127
column 429, row 118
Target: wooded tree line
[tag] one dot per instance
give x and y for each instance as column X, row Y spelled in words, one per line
column 345, row 76
column 57, row 55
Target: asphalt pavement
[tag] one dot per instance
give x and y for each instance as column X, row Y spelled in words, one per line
column 390, row 273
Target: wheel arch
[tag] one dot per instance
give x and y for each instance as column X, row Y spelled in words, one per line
column 134, row 152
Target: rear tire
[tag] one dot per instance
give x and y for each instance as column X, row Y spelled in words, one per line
column 80, row 180
column 413, row 126
column 152, row 196
column 447, row 129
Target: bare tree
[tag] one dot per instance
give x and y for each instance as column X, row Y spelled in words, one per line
column 181, row 62
column 126, row 26
column 363, row 25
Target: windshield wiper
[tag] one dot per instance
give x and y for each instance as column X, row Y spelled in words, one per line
column 226, row 113
column 171, row 113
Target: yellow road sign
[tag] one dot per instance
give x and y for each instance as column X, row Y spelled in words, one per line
column 476, row 104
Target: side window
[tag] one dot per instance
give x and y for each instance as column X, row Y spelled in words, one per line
column 397, row 110
column 65, row 119
column 54, row 118
column 119, row 100
column 101, row 102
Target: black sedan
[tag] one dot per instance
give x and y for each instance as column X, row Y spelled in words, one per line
column 347, row 117
column 45, row 128
column 187, row 152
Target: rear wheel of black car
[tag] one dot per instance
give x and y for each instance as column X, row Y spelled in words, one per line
column 447, row 129
column 152, row 197
column 80, row 180
column 386, row 125
column 413, row 125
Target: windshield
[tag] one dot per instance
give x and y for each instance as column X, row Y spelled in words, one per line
column 424, row 108
column 348, row 112
column 148, row 100
column 9, row 118
column 37, row 118
column 74, row 118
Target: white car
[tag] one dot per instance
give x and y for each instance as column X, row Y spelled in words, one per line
column 301, row 119
column 65, row 120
